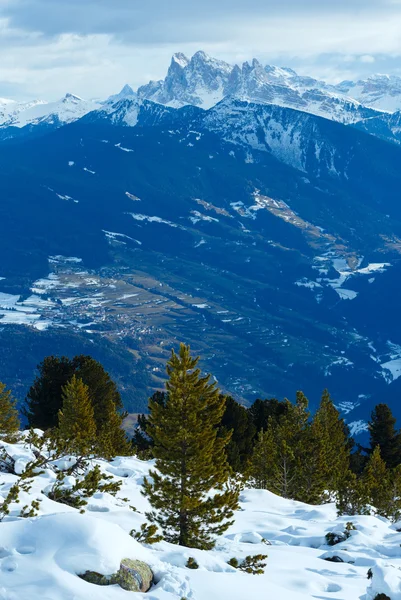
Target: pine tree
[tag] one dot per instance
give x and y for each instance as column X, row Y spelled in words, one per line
column 384, row 434
column 237, row 419
column 45, row 397
column 111, row 437
column 263, row 470
column 285, row 445
column 141, row 441
column 190, row 458
column 312, row 469
column 334, row 443
column 394, row 509
column 352, row 496
column 76, row 419
column 376, row 478
column 262, row 411
column 9, row 420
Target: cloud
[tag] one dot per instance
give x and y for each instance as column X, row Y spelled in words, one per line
column 155, row 18
column 367, row 58
column 93, row 47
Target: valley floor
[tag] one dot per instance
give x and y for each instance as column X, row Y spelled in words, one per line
column 40, row 557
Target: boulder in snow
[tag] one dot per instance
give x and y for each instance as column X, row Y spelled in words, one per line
column 133, row 576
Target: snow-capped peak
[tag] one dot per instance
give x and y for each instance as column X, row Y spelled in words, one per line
column 126, row 92
column 67, row 109
column 180, row 59
column 204, row 81
column 71, row 97
column 200, row 81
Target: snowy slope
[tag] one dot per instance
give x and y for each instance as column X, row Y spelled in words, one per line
column 40, row 557
column 382, row 92
column 68, row 109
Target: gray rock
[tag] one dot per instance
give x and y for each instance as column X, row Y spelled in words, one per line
column 133, row 576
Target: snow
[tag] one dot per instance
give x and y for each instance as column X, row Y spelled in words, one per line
column 357, row 427
column 68, row 109
column 41, row 556
column 132, row 197
column 152, row 219
column 114, row 236
column 346, row 294
column 394, row 366
column 122, row 148
column 197, row 216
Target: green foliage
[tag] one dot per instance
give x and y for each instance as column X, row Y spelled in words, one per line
column 191, row 563
column 384, row 434
column 333, row 443
column 141, row 441
column 238, row 420
column 190, row 458
column 77, row 495
column 9, row 420
column 279, row 451
column 45, row 400
column 376, row 478
column 31, row 510
column 352, row 496
column 12, row 496
column 262, row 411
column 254, row 565
column 147, row 534
column 76, row 418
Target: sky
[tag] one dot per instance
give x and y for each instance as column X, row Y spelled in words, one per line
column 93, row 47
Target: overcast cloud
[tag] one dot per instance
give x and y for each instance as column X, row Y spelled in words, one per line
column 94, row 47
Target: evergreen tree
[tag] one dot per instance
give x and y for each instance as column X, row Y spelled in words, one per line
column 111, row 437
column 335, row 443
column 313, row 466
column 45, row 397
column 394, row 509
column 263, row 468
column 190, row 458
column 352, row 496
column 103, row 391
column 141, row 441
column 262, row 411
column 238, row 420
column 9, row 420
column 76, row 419
column 285, row 445
column 384, row 434
column 376, row 478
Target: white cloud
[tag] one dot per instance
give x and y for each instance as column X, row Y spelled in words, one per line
column 94, row 47
column 367, row 58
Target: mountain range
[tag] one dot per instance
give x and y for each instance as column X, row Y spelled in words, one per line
column 249, row 211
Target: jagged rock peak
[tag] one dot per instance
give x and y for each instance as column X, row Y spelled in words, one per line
column 180, row 59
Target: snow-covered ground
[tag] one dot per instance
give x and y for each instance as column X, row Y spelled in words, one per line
column 40, row 557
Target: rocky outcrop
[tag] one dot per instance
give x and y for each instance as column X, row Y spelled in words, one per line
column 132, row 576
